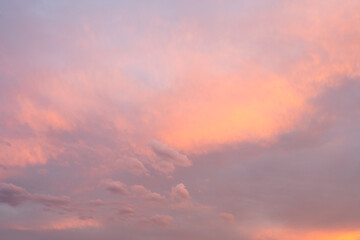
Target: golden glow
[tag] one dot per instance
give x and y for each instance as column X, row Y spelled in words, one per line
column 288, row 234
column 231, row 111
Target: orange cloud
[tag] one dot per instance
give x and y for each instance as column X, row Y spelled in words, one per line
column 279, row 234
column 69, row 223
column 230, row 109
column 20, row 152
column 188, row 88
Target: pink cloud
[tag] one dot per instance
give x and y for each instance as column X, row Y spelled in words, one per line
column 116, row 187
column 165, row 152
column 24, row 151
column 134, row 166
column 167, row 158
column 68, row 223
column 85, row 99
column 180, row 192
column 58, row 225
column 146, row 194
column 126, row 212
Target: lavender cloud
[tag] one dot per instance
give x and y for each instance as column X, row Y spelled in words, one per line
column 116, row 187
column 15, row 196
column 167, row 158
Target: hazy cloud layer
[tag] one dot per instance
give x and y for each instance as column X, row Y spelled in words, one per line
column 179, row 120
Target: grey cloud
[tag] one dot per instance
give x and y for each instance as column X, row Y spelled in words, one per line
column 126, row 211
column 13, row 195
column 3, row 167
column 116, row 187
column 52, row 201
column 134, row 166
column 167, row 158
column 291, row 182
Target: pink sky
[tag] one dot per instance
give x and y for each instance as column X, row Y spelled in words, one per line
column 196, row 120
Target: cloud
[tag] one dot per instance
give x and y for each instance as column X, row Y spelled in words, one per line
column 167, row 158
column 180, row 192
column 134, row 166
column 126, row 211
column 69, row 223
column 24, row 151
column 116, row 187
column 13, row 195
column 240, row 102
column 278, row 233
column 3, row 167
column 302, row 181
column 146, row 194
column 165, row 152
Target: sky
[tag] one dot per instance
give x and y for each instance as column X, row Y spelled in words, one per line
column 165, row 119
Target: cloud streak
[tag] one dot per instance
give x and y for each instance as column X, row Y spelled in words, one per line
column 14, row 196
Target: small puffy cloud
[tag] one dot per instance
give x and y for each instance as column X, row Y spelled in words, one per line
column 116, row 187
column 228, row 217
column 13, row 195
column 180, row 192
column 146, row 194
column 167, row 158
